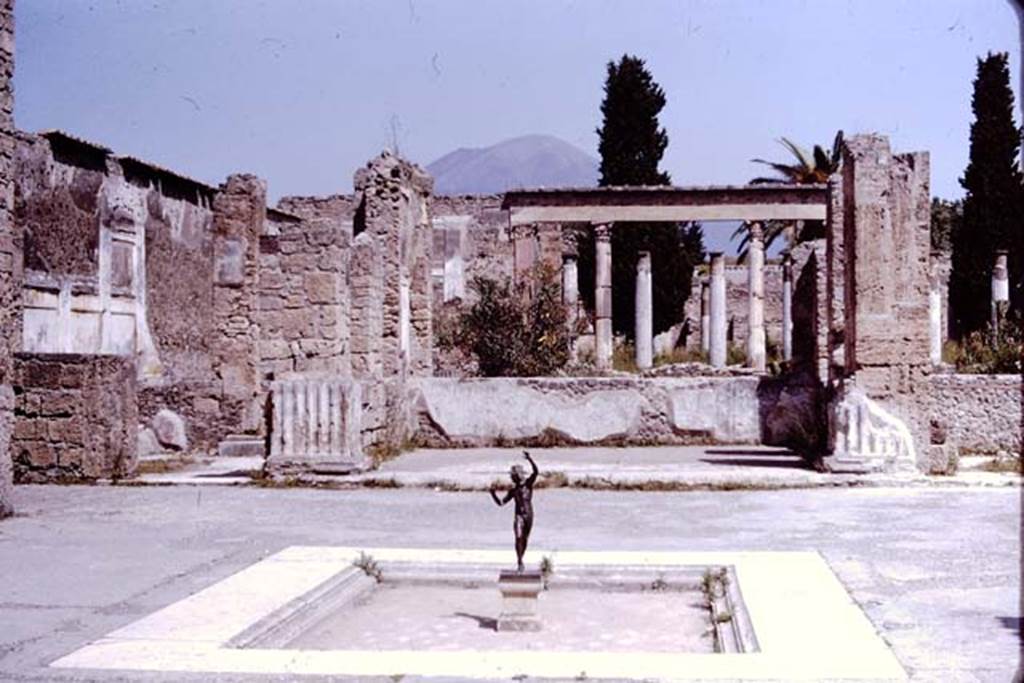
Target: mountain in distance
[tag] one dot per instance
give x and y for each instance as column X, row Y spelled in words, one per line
column 531, row 161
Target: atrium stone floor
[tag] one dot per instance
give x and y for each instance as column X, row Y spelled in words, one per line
column 935, row 572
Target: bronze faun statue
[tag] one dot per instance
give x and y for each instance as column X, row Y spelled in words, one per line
column 522, row 493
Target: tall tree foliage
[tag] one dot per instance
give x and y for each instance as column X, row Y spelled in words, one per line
column 993, row 208
column 631, row 146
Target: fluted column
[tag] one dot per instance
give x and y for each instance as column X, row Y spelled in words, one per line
column 644, row 313
column 755, row 272
column 934, row 310
column 705, row 315
column 570, row 288
column 1000, row 289
column 716, row 305
column 603, row 295
column 787, row 307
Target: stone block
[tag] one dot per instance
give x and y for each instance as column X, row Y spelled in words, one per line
column 322, row 288
column 147, row 444
column 229, row 263
column 169, row 429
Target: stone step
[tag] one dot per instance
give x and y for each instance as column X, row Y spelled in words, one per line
column 242, row 447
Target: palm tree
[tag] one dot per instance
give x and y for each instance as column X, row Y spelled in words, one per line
column 812, row 168
column 808, row 169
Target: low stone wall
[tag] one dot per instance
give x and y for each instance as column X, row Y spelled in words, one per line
column 981, row 413
column 613, row 411
column 75, row 417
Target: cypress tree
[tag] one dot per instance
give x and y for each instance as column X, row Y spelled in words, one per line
column 631, row 146
column 993, row 207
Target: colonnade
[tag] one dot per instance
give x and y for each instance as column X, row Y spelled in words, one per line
column 713, row 319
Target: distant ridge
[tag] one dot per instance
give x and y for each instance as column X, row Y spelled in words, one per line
column 523, row 162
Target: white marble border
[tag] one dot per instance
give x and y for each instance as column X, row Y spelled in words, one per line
column 806, row 624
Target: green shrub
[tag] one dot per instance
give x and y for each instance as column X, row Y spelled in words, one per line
column 681, row 355
column 512, row 331
column 988, row 352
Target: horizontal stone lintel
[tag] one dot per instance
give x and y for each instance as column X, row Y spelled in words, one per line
column 596, row 213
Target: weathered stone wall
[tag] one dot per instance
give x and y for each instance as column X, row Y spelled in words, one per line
column 886, row 245
column 10, row 255
column 835, row 273
column 470, row 240
column 304, row 297
column 730, row 410
column 391, row 273
column 75, row 417
column 980, row 413
column 145, row 288
column 239, row 210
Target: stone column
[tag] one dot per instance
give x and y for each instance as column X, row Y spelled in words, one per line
column 705, row 316
column 755, row 272
column 1000, row 289
column 716, row 306
column 239, row 209
column 570, row 288
column 935, row 310
column 644, row 313
column 787, row 307
column 603, row 295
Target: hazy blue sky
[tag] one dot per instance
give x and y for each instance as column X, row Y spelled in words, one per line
column 302, row 93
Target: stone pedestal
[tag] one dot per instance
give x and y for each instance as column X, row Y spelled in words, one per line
column 519, row 591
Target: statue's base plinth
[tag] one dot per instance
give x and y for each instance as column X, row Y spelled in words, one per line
column 519, row 591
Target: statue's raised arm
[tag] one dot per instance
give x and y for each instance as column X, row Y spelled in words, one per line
column 533, row 476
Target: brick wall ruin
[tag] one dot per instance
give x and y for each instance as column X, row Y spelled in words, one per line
column 239, row 210
column 10, row 255
column 77, row 417
column 303, row 296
